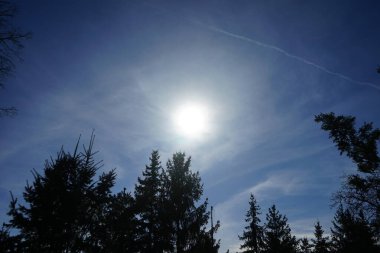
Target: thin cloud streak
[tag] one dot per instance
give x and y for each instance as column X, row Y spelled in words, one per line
column 284, row 52
column 304, row 227
column 280, row 184
column 264, row 45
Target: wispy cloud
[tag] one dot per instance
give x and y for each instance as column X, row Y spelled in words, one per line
column 304, row 227
column 279, row 184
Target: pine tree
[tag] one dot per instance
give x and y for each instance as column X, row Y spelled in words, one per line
column 183, row 190
column 277, row 234
column 351, row 234
column 63, row 206
column 253, row 234
column 149, row 207
column 320, row 243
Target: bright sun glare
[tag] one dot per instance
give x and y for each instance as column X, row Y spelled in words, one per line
column 191, row 120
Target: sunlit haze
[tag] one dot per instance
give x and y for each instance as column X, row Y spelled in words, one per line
column 191, row 120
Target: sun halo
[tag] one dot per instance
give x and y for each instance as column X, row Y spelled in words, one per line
column 191, row 120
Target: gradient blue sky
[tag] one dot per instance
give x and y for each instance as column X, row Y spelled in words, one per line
column 263, row 68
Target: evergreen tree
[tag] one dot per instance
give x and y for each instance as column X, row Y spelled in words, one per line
column 66, row 210
column 120, row 233
column 277, row 234
column 253, row 235
column 351, row 234
column 360, row 191
column 183, row 190
column 9, row 243
column 149, row 207
column 64, row 206
column 320, row 243
column 304, row 246
column 205, row 242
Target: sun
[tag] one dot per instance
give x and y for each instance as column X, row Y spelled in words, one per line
column 191, row 120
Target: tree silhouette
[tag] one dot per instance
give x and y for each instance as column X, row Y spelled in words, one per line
column 10, row 45
column 320, row 243
column 277, row 234
column 361, row 191
column 64, row 207
column 304, row 246
column 9, row 243
column 183, row 190
column 120, row 231
column 351, row 234
column 155, row 234
column 253, row 234
column 205, row 242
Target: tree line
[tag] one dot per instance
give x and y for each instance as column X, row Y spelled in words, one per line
column 349, row 234
column 69, row 207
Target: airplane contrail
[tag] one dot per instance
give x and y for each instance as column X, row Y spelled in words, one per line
column 284, row 52
column 264, row 45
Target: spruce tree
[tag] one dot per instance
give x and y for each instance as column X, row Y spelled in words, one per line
column 205, row 241
column 183, row 191
column 277, row 234
column 320, row 243
column 352, row 234
column 253, row 234
column 9, row 243
column 121, row 231
column 149, row 207
column 63, row 207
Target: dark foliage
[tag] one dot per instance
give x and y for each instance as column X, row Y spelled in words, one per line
column 320, row 243
column 9, row 243
column 304, row 246
column 64, row 207
column 154, row 229
column 183, row 192
column 360, row 191
column 205, row 242
column 66, row 210
column 253, row 234
column 120, row 229
column 277, row 235
column 352, row 234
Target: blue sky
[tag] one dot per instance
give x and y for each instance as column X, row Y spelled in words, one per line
column 262, row 68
